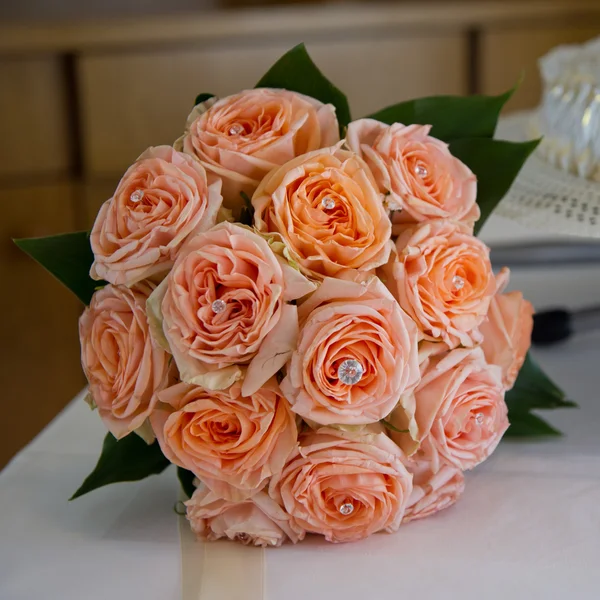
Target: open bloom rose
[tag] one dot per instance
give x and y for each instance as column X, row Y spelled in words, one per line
column 258, row 521
column 225, row 304
column 344, row 485
column 432, row 490
column 124, row 367
column 345, row 326
column 241, row 138
column 416, row 170
column 507, row 331
column 162, row 199
column 460, row 408
column 326, row 207
column 233, row 444
column 444, row 281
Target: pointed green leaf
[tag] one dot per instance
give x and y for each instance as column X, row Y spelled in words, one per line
column 128, row 459
column 203, row 98
column 534, row 389
column 186, row 479
column 295, row 71
column 528, row 425
column 68, row 257
column 451, row 117
column 496, row 163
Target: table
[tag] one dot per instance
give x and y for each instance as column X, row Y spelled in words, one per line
column 527, row 527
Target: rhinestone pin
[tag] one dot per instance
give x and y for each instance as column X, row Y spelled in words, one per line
column 137, row 196
column 458, row 282
column 236, row 129
column 350, row 372
column 347, row 508
column 328, row 203
column 421, row 171
column 479, row 418
column 218, row 306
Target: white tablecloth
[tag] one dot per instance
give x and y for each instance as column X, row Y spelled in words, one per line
column 527, row 527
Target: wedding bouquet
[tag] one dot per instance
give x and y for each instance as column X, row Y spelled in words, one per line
column 292, row 308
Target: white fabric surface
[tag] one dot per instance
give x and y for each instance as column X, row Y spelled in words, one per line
column 527, row 527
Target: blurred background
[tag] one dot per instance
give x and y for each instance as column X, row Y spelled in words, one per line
column 85, row 87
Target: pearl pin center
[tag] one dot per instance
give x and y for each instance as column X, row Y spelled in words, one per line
column 328, row 203
column 458, row 282
column 479, row 418
column 236, row 129
column 137, row 196
column 421, row 171
column 218, row 306
column 347, row 508
column 350, row 372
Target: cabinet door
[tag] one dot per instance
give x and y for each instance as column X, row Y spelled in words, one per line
column 33, row 117
column 39, row 349
column 133, row 100
column 507, row 54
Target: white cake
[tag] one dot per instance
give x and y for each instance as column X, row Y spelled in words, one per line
column 569, row 116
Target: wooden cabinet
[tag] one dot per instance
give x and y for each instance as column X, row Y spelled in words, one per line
column 34, row 132
column 80, row 101
column 39, row 370
column 508, row 54
column 136, row 99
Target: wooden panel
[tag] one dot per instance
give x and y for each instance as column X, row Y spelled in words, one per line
column 507, row 54
column 134, row 100
column 94, row 194
column 39, row 353
column 33, row 117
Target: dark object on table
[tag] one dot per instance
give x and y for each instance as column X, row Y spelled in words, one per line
column 552, row 326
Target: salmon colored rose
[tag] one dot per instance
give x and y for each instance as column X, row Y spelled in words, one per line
column 444, row 281
column 241, row 138
column 123, row 366
column 162, row 199
column 344, row 485
column 417, row 171
column 507, row 331
column 432, row 490
column 460, row 409
column 233, row 444
column 348, row 325
column 225, row 304
column 326, row 207
column 258, row 521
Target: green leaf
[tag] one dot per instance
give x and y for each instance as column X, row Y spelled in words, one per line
column 534, row 389
column 295, row 71
column 128, row 459
column 203, row 98
column 496, row 163
column 186, row 479
column 528, row 424
column 68, row 257
column 451, row 117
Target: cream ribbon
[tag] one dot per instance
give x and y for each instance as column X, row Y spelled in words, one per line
column 220, row 570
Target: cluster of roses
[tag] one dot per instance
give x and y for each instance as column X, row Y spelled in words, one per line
column 331, row 366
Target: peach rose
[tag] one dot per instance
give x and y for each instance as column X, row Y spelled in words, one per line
column 507, row 331
column 460, row 408
column 344, row 485
column 417, row 171
column 225, row 304
column 345, row 326
column 233, row 444
column 162, row 199
column 326, row 207
column 123, row 366
column 241, row 138
column 444, row 281
column 258, row 521
column 432, row 490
